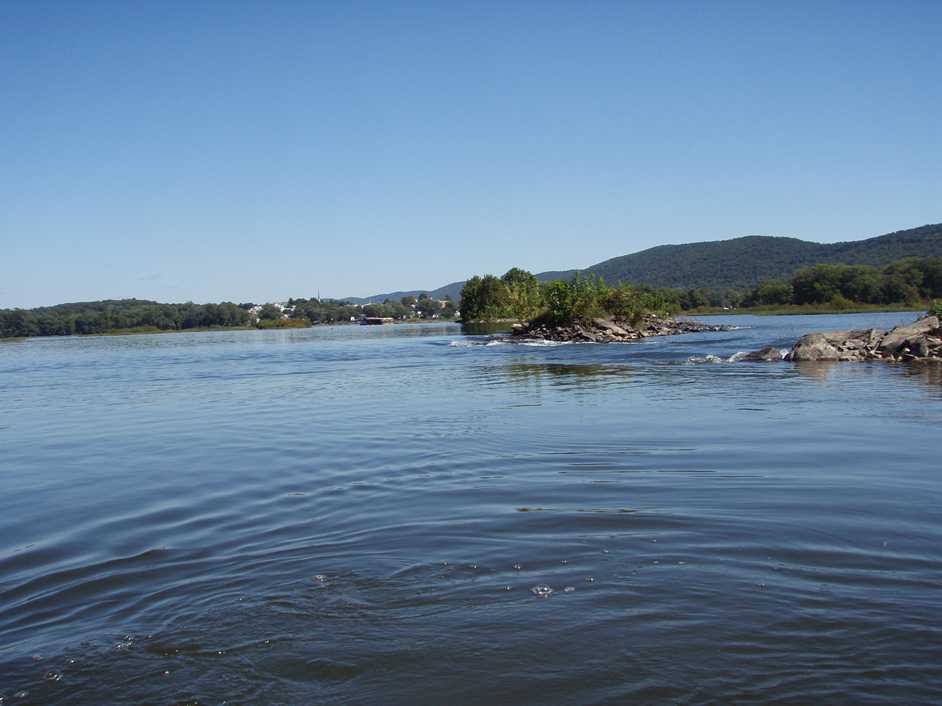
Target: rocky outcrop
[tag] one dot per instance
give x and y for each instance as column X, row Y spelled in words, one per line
column 612, row 331
column 836, row 345
column 770, row 354
column 915, row 336
column 919, row 340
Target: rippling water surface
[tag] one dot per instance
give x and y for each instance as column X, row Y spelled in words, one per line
column 404, row 514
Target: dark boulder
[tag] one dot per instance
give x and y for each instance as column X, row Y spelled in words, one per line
column 769, row 354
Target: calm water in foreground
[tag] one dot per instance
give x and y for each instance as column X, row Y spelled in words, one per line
column 357, row 515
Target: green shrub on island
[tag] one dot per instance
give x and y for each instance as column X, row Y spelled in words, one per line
column 579, row 299
column 935, row 308
column 518, row 296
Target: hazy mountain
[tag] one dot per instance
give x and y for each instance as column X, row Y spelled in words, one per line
column 739, row 262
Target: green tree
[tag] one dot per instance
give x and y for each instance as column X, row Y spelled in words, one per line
column 484, row 299
column 816, row 285
column 269, row 312
column 429, row 308
column 694, row 299
column 773, row 292
column 524, row 297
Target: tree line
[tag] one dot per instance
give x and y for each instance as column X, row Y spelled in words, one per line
column 332, row 311
column 109, row 315
column 519, row 295
column 515, row 295
column 909, row 282
column 84, row 318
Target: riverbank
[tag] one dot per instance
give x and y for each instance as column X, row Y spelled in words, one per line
column 149, row 330
column 804, row 310
column 137, row 330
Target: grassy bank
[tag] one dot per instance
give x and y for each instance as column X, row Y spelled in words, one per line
column 266, row 325
column 804, row 309
column 283, row 323
column 153, row 329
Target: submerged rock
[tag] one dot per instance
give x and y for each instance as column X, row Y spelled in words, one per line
column 769, row 354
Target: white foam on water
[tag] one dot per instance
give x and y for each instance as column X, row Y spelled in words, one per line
column 699, row 359
column 734, row 358
column 544, row 343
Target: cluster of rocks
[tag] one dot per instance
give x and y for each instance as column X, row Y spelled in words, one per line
column 921, row 340
column 611, row 331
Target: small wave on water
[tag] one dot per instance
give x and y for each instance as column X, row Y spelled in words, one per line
column 735, row 358
column 504, row 341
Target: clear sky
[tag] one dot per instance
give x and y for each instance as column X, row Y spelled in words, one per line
column 252, row 151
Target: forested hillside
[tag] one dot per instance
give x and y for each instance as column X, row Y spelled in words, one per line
column 740, row 263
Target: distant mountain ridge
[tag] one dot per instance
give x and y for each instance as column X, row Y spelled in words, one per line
column 736, row 263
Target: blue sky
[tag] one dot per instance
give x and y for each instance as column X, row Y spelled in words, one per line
column 253, row 151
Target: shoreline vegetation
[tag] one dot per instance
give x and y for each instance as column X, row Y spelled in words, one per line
column 911, row 284
column 586, row 309
column 118, row 317
column 259, row 326
column 807, row 310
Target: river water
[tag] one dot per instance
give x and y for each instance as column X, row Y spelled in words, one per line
column 358, row 515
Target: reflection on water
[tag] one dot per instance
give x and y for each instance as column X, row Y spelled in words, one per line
column 486, row 329
column 817, row 370
column 929, row 373
column 405, row 514
column 563, row 373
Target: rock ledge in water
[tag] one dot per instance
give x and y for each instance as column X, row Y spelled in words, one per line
column 612, row 330
column 921, row 339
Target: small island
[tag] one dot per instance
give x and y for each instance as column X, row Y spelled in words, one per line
column 586, row 309
column 581, row 309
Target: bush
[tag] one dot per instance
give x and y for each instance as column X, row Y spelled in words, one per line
column 840, row 302
column 935, row 308
column 579, row 299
